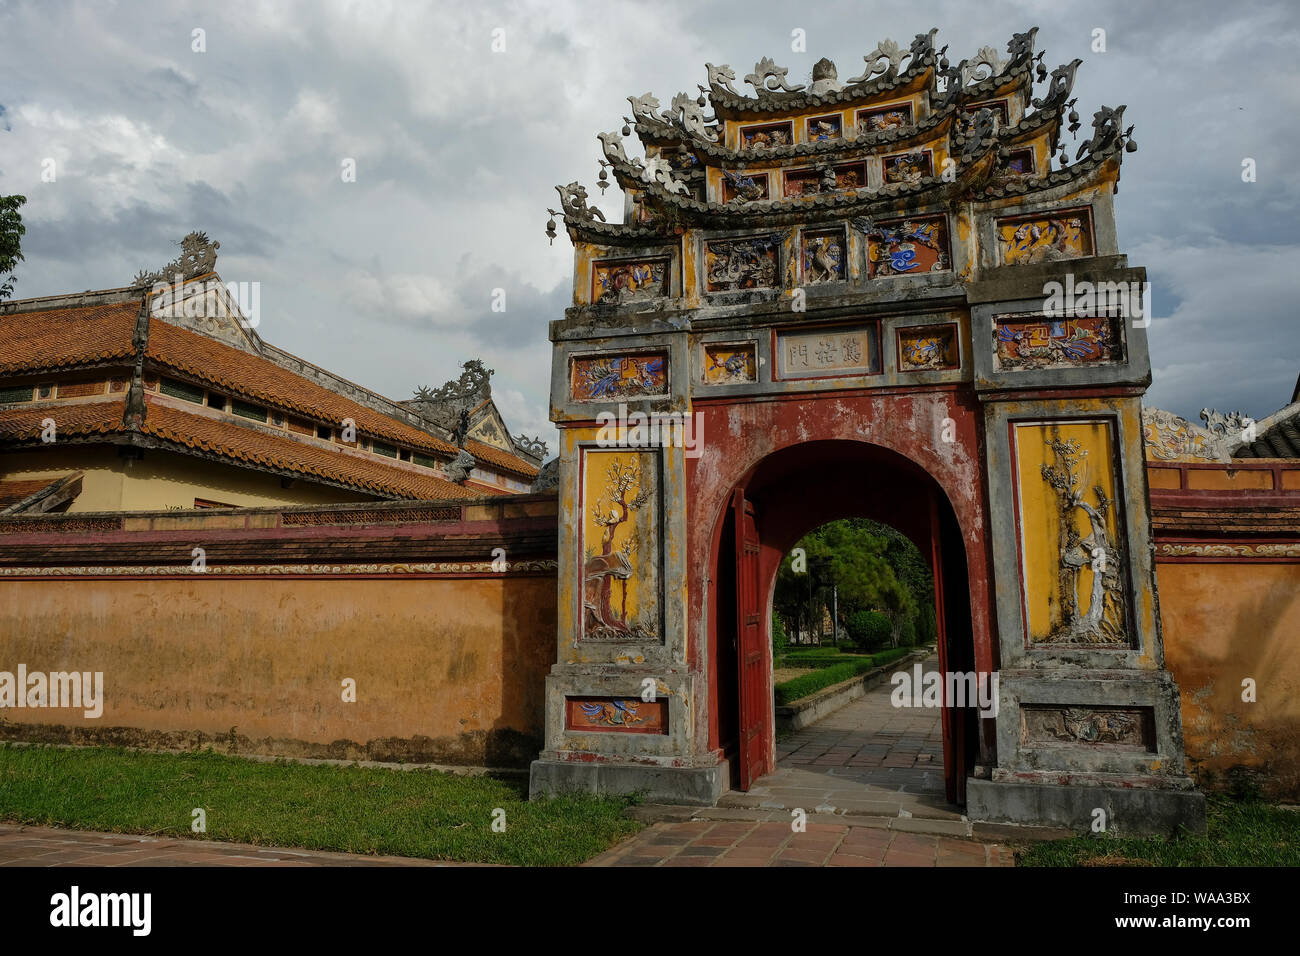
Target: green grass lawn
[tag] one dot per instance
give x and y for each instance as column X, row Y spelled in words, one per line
column 1250, row 833
column 351, row 809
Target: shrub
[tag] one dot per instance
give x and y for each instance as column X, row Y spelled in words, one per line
column 869, row 629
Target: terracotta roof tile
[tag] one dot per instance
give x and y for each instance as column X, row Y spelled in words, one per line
column 12, row 492
column 1281, row 440
column 255, row 447
column 500, row 459
column 61, row 338
column 250, row 376
column 24, row 422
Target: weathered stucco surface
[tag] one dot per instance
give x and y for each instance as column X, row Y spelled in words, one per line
column 1224, row 623
column 447, row 670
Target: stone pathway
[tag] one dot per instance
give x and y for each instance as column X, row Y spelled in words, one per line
column 869, row 778
column 753, row 843
column 46, row 846
column 868, row 757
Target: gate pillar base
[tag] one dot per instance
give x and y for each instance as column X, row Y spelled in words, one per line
column 687, row 786
column 1130, row 811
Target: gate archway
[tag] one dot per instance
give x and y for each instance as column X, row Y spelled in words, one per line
column 873, row 272
column 789, row 493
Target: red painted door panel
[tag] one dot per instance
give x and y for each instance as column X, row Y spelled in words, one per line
column 751, row 649
column 954, row 739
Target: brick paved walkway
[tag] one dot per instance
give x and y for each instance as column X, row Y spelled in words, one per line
column 46, row 846
column 868, row 757
column 752, row 843
column 869, row 777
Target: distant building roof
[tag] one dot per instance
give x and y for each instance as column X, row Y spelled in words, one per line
column 1277, row 436
column 97, row 332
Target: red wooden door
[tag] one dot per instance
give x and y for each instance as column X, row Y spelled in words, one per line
column 952, row 719
column 751, row 650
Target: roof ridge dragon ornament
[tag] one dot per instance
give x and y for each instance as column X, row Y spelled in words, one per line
column 893, row 55
column 770, row 78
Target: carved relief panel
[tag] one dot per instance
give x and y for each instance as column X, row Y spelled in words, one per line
column 1074, row 569
column 621, row 504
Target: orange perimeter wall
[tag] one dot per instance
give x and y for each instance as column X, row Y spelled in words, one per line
column 1223, row 623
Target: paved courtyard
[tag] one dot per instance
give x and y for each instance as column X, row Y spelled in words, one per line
column 47, row 846
column 751, row 843
column 869, row 758
column 869, row 777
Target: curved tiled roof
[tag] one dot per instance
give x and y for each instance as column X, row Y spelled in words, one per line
column 1281, row 439
column 205, row 433
column 255, row 447
column 66, row 337
column 250, row 376
column 500, row 459
column 24, row 422
column 927, row 127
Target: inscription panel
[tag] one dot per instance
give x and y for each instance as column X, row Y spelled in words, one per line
column 828, row 353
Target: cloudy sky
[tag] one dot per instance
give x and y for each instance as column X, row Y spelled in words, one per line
column 389, row 280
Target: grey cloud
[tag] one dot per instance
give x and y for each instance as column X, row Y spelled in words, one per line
column 458, row 151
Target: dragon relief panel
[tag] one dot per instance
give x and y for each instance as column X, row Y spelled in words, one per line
column 766, row 136
column 630, row 715
column 822, row 129
column 614, row 282
column 1074, row 566
column 618, row 376
column 1130, row 728
column 734, row 264
column 1045, row 238
column 824, row 179
column 906, row 246
column 740, row 187
column 729, row 364
column 909, row 167
column 927, row 348
column 1047, row 343
column 621, row 544
column 881, row 118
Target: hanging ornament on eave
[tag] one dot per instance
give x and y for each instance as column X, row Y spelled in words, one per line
column 550, row 226
column 603, row 180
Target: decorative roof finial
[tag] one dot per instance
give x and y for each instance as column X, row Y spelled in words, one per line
column 198, row 257
column 825, row 78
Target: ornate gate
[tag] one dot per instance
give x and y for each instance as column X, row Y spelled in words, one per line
column 885, row 296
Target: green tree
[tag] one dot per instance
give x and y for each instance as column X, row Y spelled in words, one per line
column 12, row 231
column 846, row 556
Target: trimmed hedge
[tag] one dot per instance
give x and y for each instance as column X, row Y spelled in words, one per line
column 893, row 654
column 816, row 680
column 822, row 658
column 826, row 675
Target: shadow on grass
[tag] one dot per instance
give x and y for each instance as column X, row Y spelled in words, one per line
column 351, row 809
